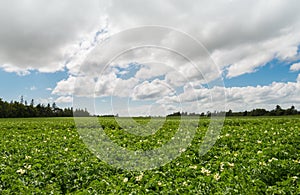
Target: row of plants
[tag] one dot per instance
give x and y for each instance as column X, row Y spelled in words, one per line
column 250, row 156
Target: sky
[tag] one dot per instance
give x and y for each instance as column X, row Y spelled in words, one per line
column 151, row 57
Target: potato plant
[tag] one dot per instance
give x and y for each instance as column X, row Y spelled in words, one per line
column 251, row 156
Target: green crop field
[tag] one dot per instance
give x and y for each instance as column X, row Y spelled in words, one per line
column 251, row 156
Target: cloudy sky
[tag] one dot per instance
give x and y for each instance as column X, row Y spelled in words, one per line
column 151, row 57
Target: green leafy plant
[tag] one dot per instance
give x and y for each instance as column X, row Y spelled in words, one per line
column 251, row 156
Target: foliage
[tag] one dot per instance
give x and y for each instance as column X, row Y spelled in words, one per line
column 251, row 156
column 20, row 110
column 278, row 111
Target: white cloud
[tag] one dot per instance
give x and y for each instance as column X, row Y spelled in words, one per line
column 295, row 67
column 32, row 88
column 149, row 71
column 65, row 87
column 243, row 40
column 52, row 36
column 298, row 78
column 152, row 90
column 237, row 98
column 110, row 85
column 64, row 99
column 18, row 70
column 285, row 94
column 87, row 86
column 146, row 110
column 35, row 34
column 49, row 89
column 249, row 57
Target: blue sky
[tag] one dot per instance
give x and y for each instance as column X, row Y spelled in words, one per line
column 274, row 71
column 35, row 85
column 59, row 52
column 39, row 86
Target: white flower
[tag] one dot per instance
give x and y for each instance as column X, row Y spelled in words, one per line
column 205, row 171
column 296, row 161
column 295, row 177
column 159, row 183
column 27, row 167
column 193, row 167
column 259, row 141
column 125, row 179
column 27, row 157
column 139, row 178
column 263, row 163
column 222, row 166
column 217, row 176
column 270, row 160
column 259, row 152
column 21, row 171
column 66, row 149
column 230, row 164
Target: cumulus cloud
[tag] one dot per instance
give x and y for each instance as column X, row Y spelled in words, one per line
column 12, row 68
column 111, row 85
column 249, row 57
column 36, row 34
column 241, row 40
column 65, row 87
column 295, row 67
column 149, row 71
column 152, row 90
column 86, row 86
column 239, row 36
column 64, row 99
column 50, row 35
column 237, row 98
column 285, row 94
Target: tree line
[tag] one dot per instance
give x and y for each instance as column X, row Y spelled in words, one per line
column 278, row 111
column 22, row 109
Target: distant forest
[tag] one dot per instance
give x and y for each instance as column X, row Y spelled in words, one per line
column 278, row 111
column 22, row 109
